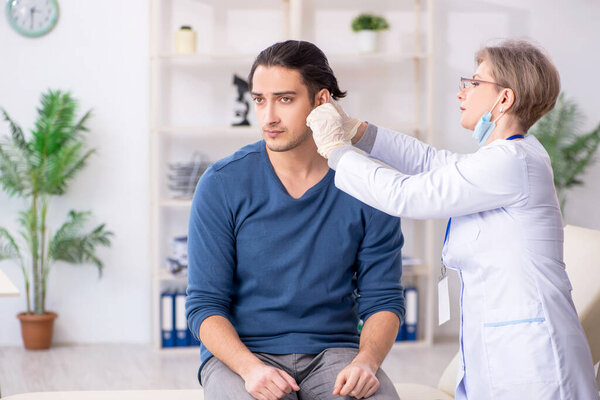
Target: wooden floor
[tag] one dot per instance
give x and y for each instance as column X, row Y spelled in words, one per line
column 126, row 366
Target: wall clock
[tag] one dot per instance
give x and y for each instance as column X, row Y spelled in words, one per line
column 32, row 18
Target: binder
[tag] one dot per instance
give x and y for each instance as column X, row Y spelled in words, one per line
column 192, row 340
column 166, row 311
column 401, row 333
column 181, row 329
column 411, row 296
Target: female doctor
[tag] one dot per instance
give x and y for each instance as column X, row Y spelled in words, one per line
column 520, row 337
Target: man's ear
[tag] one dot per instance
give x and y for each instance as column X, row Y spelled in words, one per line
column 322, row 97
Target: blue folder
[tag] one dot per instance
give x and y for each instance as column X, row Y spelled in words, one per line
column 166, row 317
column 411, row 319
column 181, row 328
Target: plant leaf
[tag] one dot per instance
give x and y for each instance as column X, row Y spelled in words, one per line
column 16, row 132
column 73, row 245
column 8, row 246
column 13, row 174
column 571, row 153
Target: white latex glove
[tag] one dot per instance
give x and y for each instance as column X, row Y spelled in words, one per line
column 327, row 127
column 349, row 124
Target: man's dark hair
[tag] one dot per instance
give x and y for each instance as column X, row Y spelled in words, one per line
column 304, row 57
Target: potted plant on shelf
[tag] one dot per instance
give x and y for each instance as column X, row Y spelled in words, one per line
column 36, row 168
column 570, row 151
column 367, row 27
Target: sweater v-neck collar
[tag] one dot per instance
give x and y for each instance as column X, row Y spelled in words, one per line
column 309, row 192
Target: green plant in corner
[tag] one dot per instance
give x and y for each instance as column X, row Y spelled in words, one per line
column 570, row 151
column 36, row 169
column 369, row 22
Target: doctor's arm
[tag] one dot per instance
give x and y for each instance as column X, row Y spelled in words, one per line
column 491, row 178
column 402, row 152
column 332, row 127
column 211, row 258
column 380, row 304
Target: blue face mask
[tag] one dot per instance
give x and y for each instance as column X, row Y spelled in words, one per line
column 485, row 126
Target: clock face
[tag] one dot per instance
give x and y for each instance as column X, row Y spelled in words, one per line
column 32, row 17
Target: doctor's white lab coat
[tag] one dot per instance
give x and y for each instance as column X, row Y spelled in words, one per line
column 520, row 336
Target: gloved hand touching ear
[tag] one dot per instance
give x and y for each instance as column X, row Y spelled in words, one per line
column 349, row 124
column 328, row 128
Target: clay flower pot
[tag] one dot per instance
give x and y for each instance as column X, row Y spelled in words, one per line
column 37, row 330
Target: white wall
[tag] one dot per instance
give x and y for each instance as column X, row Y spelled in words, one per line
column 99, row 51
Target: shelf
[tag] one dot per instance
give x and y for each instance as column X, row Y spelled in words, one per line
column 414, row 271
column 205, row 58
column 164, row 275
column 210, row 131
column 347, row 58
column 172, row 134
column 175, row 203
column 406, row 261
column 374, row 57
column 378, row 5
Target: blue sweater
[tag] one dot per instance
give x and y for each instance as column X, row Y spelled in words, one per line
column 292, row 275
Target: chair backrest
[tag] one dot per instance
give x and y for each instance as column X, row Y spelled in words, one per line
column 582, row 259
column 447, row 382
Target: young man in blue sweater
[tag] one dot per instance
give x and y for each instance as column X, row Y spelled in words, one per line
column 282, row 264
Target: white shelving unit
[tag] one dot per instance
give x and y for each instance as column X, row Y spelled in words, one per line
column 191, row 97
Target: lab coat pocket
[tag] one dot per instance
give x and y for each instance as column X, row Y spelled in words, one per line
column 518, row 346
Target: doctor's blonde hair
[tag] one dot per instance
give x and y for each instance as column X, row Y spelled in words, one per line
column 529, row 72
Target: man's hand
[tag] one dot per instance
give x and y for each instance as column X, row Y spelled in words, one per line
column 357, row 380
column 264, row 382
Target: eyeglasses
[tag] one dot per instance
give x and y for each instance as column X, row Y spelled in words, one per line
column 466, row 83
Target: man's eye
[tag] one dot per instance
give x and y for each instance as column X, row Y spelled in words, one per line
column 286, row 99
column 257, row 100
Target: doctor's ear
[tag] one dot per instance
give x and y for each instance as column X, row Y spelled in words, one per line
column 322, row 97
column 507, row 100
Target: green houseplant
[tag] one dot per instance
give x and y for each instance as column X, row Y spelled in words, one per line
column 366, row 26
column 571, row 152
column 36, row 168
column 369, row 22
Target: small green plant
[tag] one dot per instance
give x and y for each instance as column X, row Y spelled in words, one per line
column 570, row 151
column 369, row 22
column 36, row 169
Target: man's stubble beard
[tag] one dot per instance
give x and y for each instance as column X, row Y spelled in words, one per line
column 282, row 147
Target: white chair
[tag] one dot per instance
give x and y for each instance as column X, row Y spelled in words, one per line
column 582, row 257
column 444, row 390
